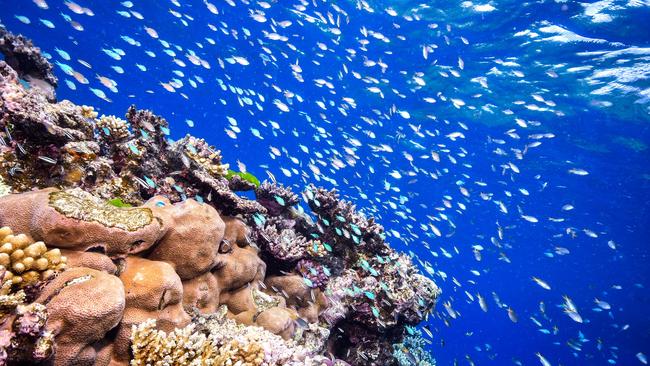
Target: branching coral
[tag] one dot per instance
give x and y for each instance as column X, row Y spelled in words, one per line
column 283, row 244
column 215, row 340
column 27, row 342
column 180, row 347
column 314, row 273
column 340, row 223
column 113, row 128
column 412, row 351
column 4, row 189
column 275, row 197
column 24, row 339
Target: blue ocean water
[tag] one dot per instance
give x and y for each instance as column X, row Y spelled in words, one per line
column 496, row 141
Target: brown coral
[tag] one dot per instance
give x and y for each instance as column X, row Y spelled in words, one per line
column 76, row 220
column 192, row 239
column 153, row 291
column 83, row 305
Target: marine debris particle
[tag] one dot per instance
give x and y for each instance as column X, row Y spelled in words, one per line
column 80, row 205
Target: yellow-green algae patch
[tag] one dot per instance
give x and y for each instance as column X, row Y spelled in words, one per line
column 80, row 205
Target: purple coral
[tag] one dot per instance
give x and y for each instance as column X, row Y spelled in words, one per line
column 315, row 272
column 27, row 342
column 276, row 198
column 283, row 244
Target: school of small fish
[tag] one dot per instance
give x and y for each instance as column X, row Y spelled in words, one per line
column 322, row 90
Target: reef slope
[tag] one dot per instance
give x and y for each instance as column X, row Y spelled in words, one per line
column 121, row 246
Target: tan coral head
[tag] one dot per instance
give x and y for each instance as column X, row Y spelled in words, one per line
column 27, row 262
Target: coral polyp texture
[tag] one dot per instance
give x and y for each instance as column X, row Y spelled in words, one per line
column 119, row 246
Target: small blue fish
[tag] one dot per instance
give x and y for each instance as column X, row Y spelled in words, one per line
column 112, row 54
column 118, row 69
column 47, row 23
column 64, row 55
column 123, row 13
column 127, row 4
column 65, row 68
column 327, row 271
column 375, row 312
column 70, row 84
column 279, row 200
column 130, row 41
column 150, row 182
column 23, row 19
column 133, row 148
column 100, row 94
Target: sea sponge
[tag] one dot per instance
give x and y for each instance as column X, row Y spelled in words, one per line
column 27, row 262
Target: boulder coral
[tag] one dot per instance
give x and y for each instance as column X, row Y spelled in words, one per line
column 133, row 248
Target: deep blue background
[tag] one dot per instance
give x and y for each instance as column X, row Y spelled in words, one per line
column 604, row 133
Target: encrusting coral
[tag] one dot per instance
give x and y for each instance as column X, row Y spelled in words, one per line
column 166, row 263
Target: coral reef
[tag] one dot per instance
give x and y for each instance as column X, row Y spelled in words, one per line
column 21, row 54
column 217, row 340
column 412, row 351
column 159, row 261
